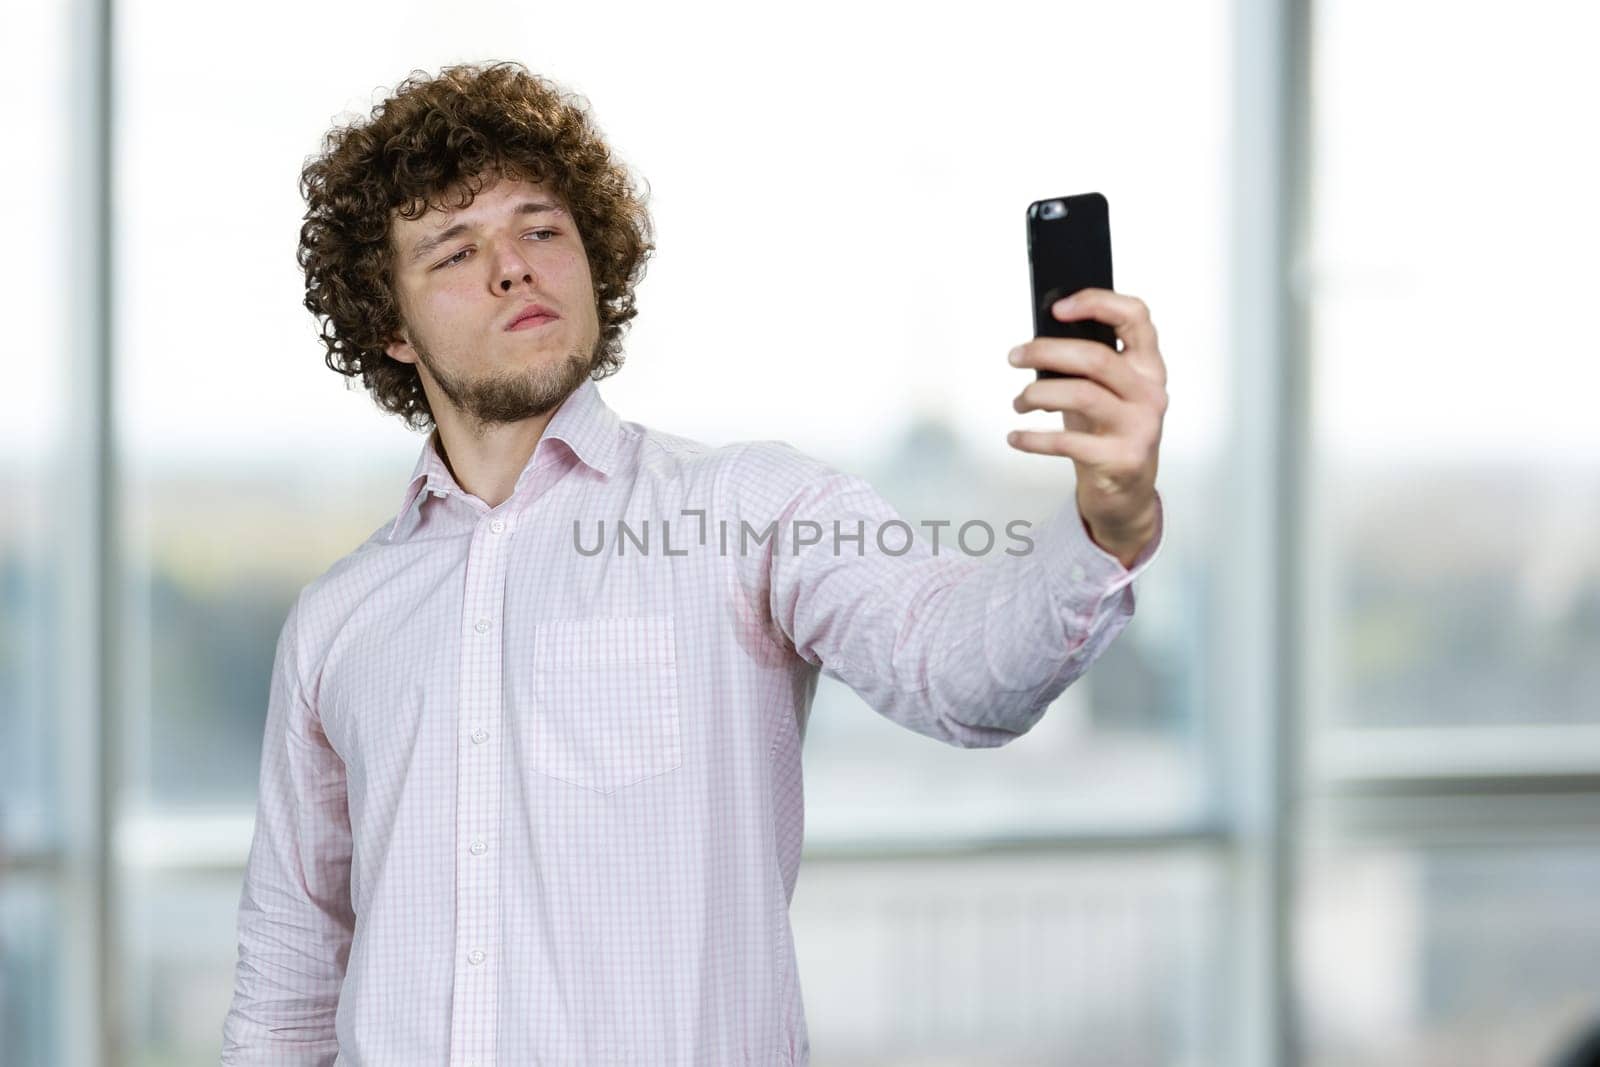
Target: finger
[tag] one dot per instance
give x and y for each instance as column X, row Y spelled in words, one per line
column 1129, row 315
column 1077, row 355
column 1101, row 405
column 1088, row 448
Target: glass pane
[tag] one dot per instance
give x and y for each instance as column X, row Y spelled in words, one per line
column 251, row 467
column 181, row 954
column 33, row 439
column 1441, row 956
column 29, row 974
column 1004, row 962
column 230, row 506
column 1455, row 372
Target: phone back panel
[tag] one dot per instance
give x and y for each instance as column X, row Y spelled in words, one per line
column 1065, row 254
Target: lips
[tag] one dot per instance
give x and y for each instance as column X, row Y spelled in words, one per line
column 531, row 316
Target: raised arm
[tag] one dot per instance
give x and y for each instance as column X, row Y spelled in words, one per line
column 969, row 650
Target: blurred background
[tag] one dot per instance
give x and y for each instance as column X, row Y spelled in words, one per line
column 1333, row 797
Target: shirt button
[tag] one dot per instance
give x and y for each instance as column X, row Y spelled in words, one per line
column 475, row 957
column 1077, row 572
column 497, row 525
column 479, row 736
column 479, row 848
column 482, row 626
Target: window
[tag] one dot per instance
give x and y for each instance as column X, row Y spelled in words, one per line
column 42, row 538
column 1454, row 742
column 1105, row 889
column 900, row 308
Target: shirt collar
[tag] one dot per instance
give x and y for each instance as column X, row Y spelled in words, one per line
column 584, row 423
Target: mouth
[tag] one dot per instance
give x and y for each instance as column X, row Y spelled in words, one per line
column 531, row 322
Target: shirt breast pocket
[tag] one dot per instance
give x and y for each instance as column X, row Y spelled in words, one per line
column 604, row 701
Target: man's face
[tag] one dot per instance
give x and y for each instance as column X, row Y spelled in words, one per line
column 458, row 294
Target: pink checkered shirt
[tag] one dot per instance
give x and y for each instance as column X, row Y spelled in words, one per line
column 526, row 802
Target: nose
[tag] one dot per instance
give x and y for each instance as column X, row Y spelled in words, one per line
column 510, row 278
column 511, row 269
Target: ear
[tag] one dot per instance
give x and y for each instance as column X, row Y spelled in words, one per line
column 399, row 349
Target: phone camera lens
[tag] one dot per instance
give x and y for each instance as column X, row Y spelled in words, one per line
column 1053, row 209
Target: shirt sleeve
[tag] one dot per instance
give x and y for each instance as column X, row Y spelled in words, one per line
column 968, row 649
column 295, row 920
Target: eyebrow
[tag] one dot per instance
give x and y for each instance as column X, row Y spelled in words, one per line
column 527, row 207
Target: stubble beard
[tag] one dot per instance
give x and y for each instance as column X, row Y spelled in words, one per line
column 494, row 399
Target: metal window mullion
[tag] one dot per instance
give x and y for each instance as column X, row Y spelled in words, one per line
column 1259, row 679
column 114, row 1042
column 88, row 1015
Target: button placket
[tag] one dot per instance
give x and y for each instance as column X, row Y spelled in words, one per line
column 474, row 1001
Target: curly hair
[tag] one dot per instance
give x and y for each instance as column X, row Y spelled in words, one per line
column 432, row 137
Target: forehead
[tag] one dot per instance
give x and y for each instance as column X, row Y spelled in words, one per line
column 449, row 207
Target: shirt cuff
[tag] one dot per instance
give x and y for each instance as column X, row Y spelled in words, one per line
column 1082, row 575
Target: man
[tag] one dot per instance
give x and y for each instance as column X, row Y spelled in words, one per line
column 531, row 785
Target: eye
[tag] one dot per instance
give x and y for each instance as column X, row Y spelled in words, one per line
column 457, row 257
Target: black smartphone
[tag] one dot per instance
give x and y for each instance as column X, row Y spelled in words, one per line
column 1069, row 248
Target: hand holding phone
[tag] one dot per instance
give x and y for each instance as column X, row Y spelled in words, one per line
column 1069, row 248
